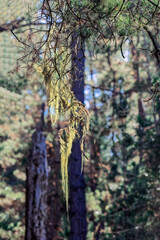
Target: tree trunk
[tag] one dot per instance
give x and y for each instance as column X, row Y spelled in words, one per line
column 54, row 187
column 36, row 190
column 77, row 211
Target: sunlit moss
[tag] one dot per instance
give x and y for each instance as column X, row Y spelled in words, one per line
column 61, row 100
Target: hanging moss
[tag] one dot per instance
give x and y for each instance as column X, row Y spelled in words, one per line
column 61, row 100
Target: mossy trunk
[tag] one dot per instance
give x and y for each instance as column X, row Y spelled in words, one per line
column 77, row 210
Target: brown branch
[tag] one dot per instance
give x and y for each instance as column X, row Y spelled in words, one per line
column 19, row 39
column 156, row 5
column 11, row 26
column 16, row 24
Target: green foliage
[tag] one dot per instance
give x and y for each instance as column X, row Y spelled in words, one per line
column 16, row 85
column 17, row 105
column 128, row 176
column 16, row 129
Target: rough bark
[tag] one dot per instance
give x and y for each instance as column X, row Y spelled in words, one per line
column 77, row 211
column 135, row 57
column 54, row 188
column 94, row 145
column 36, row 189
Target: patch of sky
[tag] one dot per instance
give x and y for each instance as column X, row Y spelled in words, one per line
column 29, row 91
column 111, row 154
column 59, row 19
column 39, row 2
column 41, row 17
column 41, row 92
column 126, row 54
column 126, row 51
column 122, row 91
column 51, row 110
column 27, row 107
column 46, row 112
column 108, row 118
column 111, row 89
column 119, row 80
column 99, row 104
column 44, row 98
column 107, row 92
column 97, row 93
column 88, row 95
column 87, row 90
column 87, row 104
column 87, row 69
column 40, row 54
column 92, row 78
column 115, row 137
column 110, row 135
column 45, row 37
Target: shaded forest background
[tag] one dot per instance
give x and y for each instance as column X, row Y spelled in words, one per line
column 121, row 167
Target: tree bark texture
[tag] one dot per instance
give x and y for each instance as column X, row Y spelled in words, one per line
column 54, row 189
column 36, row 192
column 77, row 211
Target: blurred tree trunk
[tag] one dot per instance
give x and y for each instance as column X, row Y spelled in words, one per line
column 77, row 211
column 37, row 184
column 94, row 144
column 141, row 113
column 54, row 186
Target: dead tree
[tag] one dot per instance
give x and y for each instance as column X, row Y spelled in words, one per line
column 37, row 184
